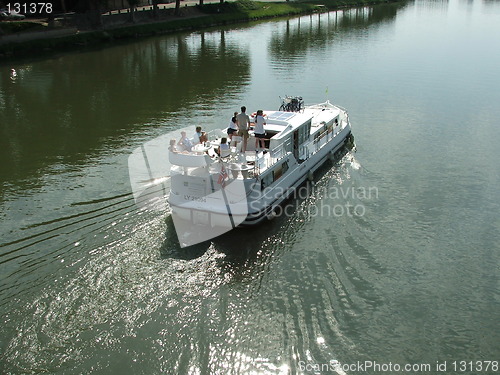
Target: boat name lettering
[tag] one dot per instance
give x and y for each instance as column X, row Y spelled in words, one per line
column 193, row 198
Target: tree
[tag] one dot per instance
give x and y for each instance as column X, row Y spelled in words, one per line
column 155, row 8
column 95, row 12
column 133, row 4
column 63, row 7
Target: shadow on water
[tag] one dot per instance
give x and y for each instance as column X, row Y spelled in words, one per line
column 242, row 244
column 239, row 245
column 171, row 247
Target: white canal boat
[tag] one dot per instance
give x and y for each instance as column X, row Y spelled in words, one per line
column 210, row 193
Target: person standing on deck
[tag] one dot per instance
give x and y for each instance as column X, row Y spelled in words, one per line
column 244, row 126
column 233, row 126
column 260, row 133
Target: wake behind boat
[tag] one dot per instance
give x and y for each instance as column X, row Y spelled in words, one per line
column 215, row 189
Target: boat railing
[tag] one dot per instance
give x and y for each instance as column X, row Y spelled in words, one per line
column 306, row 149
column 311, row 147
column 341, row 108
column 322, row 139
column 279, row 151
column 263, row 161
column 216, row 134
column 344, row 117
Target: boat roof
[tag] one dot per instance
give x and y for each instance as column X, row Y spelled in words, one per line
column 322, row 116
column 280, row 121
column 294, row 119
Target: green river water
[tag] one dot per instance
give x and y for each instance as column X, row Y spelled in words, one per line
column 410, row 281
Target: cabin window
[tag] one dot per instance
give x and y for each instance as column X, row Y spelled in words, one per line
column 276, row 173
column 267, row 180
column 284, row 167
column 304, row 132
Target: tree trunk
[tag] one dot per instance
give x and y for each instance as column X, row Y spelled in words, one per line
column 63, row 7
column 95, row 14
column 95, row 19
column 155, row 9
column 132, row 13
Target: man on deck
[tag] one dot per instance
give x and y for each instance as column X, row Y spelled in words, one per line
column 244, row 126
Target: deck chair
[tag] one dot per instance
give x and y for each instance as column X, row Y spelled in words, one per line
column 224, row 154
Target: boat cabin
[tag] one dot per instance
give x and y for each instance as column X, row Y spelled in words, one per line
column 296, row 132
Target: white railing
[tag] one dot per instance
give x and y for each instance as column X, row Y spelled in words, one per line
column 306, row 149
column 279, row 151
column 310, row 148
column 215, row 134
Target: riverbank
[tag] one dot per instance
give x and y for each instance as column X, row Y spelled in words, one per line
column 43, row 39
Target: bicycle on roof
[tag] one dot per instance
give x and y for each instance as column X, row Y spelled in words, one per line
column 291, row 103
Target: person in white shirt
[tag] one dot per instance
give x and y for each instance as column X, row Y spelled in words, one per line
column 223, row 147
column 233, row 126
column 199, row 136
column 260, row 133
